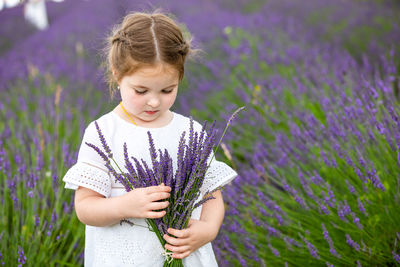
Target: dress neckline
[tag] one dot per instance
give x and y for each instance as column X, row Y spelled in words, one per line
column 145, row 128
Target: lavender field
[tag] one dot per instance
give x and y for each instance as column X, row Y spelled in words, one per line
column 317, row 148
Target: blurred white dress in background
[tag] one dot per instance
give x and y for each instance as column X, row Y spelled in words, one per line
column 35, row 13
column 8, row 3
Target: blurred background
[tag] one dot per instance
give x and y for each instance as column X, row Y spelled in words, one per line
column 316, row 149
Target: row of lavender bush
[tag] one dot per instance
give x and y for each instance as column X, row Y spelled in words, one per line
column 316, row 149
column 319, row 184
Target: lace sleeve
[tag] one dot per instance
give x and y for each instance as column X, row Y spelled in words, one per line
column 217, row 175
column 89, row 176
column 90, row 170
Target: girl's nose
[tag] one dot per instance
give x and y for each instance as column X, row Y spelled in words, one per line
column 153, row 102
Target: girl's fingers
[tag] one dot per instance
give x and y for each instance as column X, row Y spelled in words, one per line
column 181, row 255
column 157, row 188
column 158, row 196
column 179, row 233
column 158, row 205
column 177, row 249
column 155, row 214
column 174, row 241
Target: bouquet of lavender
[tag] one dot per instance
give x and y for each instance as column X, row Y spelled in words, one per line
column 185, row 183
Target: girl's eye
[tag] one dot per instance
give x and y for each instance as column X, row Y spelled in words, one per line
column 143, row 92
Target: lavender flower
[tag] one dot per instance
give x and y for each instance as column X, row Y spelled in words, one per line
column 396, row 257
column 128, row 165
column 293, row 192
column 323, row 208
column 201, row 202
column 351, row 188
column 274, row 250
column 178, row 175
column 330, row 242
column 361, row 207
column 343, row 210
column 289, row 242
column 103, row 141
column 316, row 179
column 101, row 153
column 153, row 153
column 311, row 248
column 21, row 256
column 356, row 221
column 234, row 115
column 352, row 243
column 273, row 232
column 37, row 220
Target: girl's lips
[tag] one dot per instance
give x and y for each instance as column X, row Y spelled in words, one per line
column 151, row 112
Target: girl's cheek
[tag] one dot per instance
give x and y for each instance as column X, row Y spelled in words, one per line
column 171, row 99
column 133, row 97
column 137, row 101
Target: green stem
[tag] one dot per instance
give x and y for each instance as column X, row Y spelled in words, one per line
column 126, row 178
column 174, row 262
column 155, row 230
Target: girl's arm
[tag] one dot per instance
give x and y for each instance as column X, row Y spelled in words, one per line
column 213, row 212
column 199, row 232
column 94, row 209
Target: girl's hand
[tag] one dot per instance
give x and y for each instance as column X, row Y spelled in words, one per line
column 197, row 234
column 142, row 202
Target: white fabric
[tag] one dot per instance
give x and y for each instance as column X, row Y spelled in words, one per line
column 89, row 176
column 35, row 13
column 123, row 244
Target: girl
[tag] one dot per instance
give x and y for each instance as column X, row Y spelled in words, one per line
column 146, row 55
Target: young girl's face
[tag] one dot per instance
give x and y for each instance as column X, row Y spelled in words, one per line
column 149, row 89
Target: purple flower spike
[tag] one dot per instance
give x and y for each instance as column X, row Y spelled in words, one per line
column 396, row 257
column 129, row 167
column 153, row 153
column 178, row 176
column 352, row 243
column 21, row 256
column 103, row 141
column 170, row 173
column 311, row 248
column 98, row 150
column 234, row 115
column 150, row 173
column 313, row 251
column 204, row 200
column 274, row 250
column 191, row 138
column 330, row 242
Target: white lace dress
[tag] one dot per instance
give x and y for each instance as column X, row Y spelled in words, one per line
column 123, row 244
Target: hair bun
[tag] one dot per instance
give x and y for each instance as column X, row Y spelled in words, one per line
column 183, row 48
column 120, row 36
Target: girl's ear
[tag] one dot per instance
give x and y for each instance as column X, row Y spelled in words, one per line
column 114, row 73
column 115, row 76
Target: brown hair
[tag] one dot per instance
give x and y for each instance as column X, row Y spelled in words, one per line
column 144, row 39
